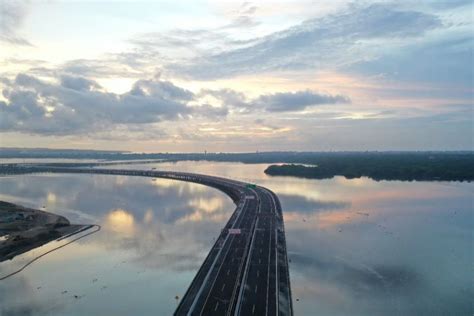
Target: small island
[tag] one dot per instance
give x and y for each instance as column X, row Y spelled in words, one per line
column 421, row 167
column 23, row 229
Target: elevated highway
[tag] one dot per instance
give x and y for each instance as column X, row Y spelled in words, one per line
column 246, row 271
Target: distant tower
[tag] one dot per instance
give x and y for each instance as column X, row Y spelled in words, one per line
column 205, row 152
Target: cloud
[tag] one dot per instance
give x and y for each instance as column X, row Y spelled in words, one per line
column 449, row 4
column 244, row 17
column 276, row 102
column 78, row 83
column 442, row 60
column 326, row 40
column 164, row 89
column 110, row 65
column 150, row 51
column 176, row 45
column 74, row 105
column 79, row 105
column 179, row 45
column 297, row 101
column 12, row 15
column 210, row 111
column 228, row 97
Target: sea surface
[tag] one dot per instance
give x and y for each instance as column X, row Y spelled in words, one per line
column 356, row 247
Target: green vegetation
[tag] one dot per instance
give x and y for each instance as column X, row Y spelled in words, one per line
column 404, row 167
column 407, row 166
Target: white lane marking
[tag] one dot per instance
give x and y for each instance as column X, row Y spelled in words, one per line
column 223, row 286
column 237, row 283
column 247, row 264
column 239, row 219
column 277, row 275
column 256, row 287
column 213, row 282
column 217, row 305
column 268, row 272
column 253, row 309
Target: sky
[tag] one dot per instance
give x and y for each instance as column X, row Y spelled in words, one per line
column 228, row 76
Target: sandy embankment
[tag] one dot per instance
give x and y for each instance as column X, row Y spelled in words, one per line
column 23, row 229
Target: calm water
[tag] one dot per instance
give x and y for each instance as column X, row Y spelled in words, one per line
column 357, row 247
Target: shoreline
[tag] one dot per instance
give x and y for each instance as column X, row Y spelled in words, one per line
column 24, row 229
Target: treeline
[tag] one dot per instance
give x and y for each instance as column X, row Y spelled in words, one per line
column 403, row 167
column 249, row 157
column 421, row 166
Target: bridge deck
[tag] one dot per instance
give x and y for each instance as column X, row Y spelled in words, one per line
column 246, row 271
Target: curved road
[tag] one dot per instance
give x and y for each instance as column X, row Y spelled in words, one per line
column 246, row 271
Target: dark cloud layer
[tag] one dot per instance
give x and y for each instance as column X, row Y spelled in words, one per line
column 296, row 101
column 78, row 83
column 439, row 61
column 79, row 105
column 165, row 89
column 315, row 41
column 276, row 102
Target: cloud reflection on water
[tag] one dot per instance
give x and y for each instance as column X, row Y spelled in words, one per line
column 120, row 221
column 144, row 234
column 358, row 247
